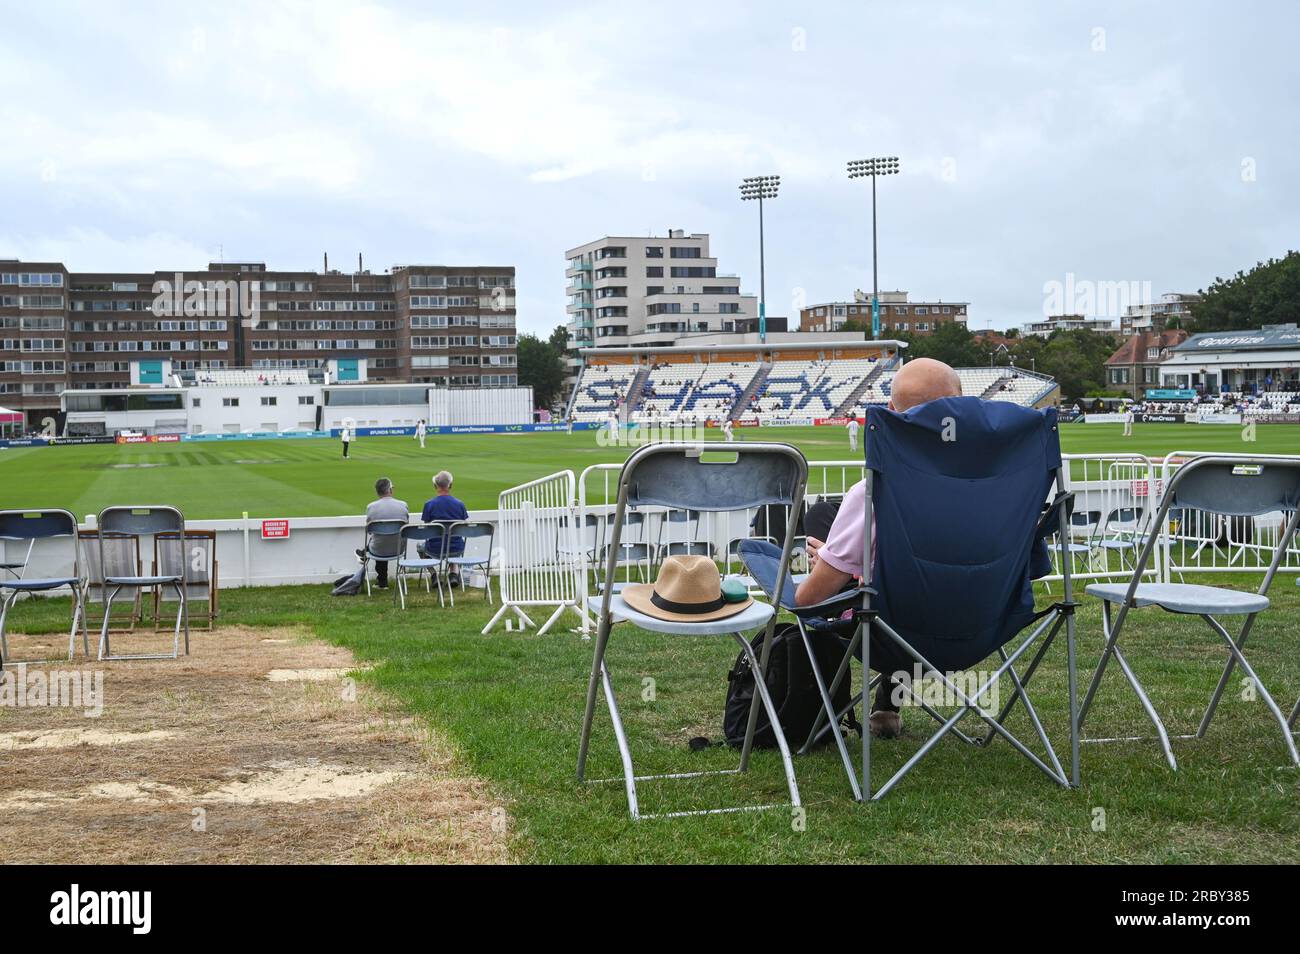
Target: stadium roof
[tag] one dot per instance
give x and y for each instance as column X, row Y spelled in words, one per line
column 1283, row 337
column 839, row 344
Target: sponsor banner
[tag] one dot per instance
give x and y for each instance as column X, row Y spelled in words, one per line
column 1217, row 417
column 1103, row 418
column 836, row 421
column 148, row 438
column 1162, row 418
column 791, row 422
column 1170, row 394
column 25, row 442
column 254, row 436
column 85, row 439
column 1067, row 415
column 275, row 529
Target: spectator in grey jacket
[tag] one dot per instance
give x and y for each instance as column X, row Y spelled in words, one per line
column 385, row 507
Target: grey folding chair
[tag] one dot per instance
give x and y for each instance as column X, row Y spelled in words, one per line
column 1120, row 533
column 477, row 536
column 383, row 543
column 29, row 526
column 432, row 539
column 168, row 524
column 710, row 478
column 16, row 568
column 1229, row 487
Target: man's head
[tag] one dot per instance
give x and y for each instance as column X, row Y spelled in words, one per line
column 383, row 487
column 442, row 482
column 921, row 380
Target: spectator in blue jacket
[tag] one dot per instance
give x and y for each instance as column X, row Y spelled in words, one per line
column 444, row 508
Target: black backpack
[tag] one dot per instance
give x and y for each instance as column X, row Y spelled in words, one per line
column 792, row 686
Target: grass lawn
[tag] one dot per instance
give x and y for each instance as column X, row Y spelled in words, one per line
column 511, row 706
column 300, row 478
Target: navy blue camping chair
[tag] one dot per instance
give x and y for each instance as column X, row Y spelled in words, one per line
column 28, row 526
column 958, row 489
column 1232, row 487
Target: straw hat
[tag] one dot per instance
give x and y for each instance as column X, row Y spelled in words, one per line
column 688, row 590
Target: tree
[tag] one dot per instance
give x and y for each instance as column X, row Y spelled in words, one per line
column 560, row 339
column 541, row 367
column 1076, row 359
column 1269, row 294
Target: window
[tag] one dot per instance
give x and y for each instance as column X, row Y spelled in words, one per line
column 306, row 399
column 678, row 251
column 654, row 271
column 230, row 402
column 654, row 251
column 196, row 402
column 268, row 402
column 1153, row 354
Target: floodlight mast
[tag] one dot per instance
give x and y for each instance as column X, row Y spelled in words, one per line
column 760, row 188
column 860, row 168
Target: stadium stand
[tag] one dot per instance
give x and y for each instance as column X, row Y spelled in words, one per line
column 780, row 390
column 599, row 390
column 250, row 377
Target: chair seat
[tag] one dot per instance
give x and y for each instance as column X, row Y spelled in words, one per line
column 467, row 561
column 1118, row 544
column 752, row 617
column 47, row 584
column 1184, row 597
column 140, row 580
column 418, row 564
column 12, row 566
column 1077, row 548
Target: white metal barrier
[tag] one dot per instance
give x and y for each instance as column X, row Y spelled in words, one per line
column 541, row 564
column 1196, row 541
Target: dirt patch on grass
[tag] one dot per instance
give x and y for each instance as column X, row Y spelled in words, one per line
column 210, row 758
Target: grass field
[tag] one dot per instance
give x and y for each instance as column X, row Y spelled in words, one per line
column 510, row 705
column 300, row 478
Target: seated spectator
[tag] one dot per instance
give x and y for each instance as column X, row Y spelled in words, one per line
column 837, row 556
column 385, row 507
column 442, row 508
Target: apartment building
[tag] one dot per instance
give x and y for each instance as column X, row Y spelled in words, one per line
column 1173, row 309
column 442, row 325
column 1044, row 328
column 896, row 313
column 626, row 291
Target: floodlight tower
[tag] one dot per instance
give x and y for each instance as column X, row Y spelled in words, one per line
column 760, row 188
column 880, row 166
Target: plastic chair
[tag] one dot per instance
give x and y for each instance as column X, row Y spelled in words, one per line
column 29, row 526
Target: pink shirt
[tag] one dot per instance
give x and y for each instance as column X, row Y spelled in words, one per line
column 843, row 547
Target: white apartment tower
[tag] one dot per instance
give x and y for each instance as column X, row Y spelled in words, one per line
column 625, row 291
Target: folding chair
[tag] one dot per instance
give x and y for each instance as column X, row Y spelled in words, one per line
column 957, row 488
column 467, row 531
column 432, row 539
column 29, row 526
column 1120, row 533
column 16, row 568
column 167, row 523
column 738, row 477
column 1229, row 487
column 383, row 543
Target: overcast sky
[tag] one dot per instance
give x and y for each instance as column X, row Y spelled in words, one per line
column 1159, row 144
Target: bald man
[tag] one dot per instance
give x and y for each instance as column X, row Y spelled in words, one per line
column 838, row 560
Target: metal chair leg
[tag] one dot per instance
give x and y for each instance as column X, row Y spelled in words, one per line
column 1264, row 693
column 103, row 633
